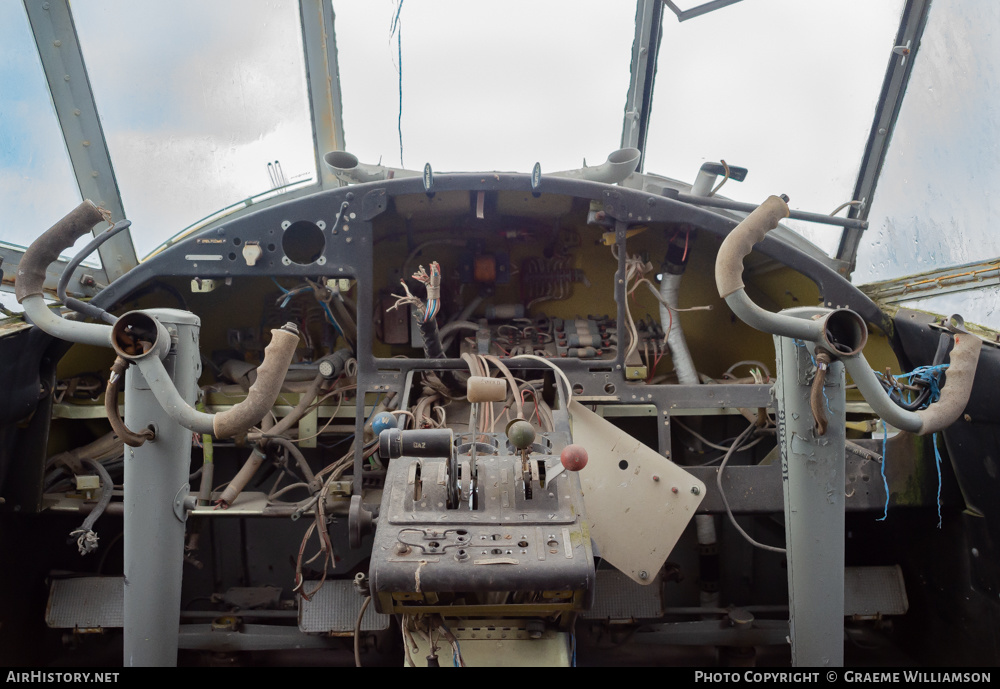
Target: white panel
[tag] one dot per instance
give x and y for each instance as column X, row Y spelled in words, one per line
column 638, row 503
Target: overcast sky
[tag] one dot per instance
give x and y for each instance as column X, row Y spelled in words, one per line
column 197, row 97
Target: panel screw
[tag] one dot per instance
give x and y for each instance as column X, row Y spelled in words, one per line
column 673, row 489
column 695, row 490
column 655, row 477
column 643, row 575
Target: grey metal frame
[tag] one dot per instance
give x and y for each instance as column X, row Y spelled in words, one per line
column 684, row 15
column 639, row 101
column 897, row 76
column 319, row 43
column 62, row 61
column 66, row 75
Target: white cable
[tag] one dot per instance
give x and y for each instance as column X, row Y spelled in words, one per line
column 559, row 372
column 718, row 482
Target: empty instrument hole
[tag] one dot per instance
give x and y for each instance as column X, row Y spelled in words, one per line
column 303, row 242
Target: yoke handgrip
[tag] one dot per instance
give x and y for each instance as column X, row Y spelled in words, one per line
column 740, row 242
column 46, row 249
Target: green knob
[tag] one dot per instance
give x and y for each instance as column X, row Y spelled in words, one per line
column 521, row 434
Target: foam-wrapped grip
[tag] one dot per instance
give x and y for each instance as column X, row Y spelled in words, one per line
column 260, row 398
column 46, row 249
column 740, row 242
column 961, row 374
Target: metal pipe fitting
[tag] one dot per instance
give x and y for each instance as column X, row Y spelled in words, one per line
column 349, row 169
column 39, row 314
column 619, row 165
column 137, row 335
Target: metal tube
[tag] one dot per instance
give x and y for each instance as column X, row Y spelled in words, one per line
column 715, row 202
column 774, row 323
column 74, row 331
column 876, row 397
column 687, row 374
column 176, row 408
column 813, row 467
column 156, row 484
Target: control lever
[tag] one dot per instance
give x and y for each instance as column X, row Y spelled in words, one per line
column 394, row 443
column 841, row 332
column 478, row 390
column 139, row 338
column 572, row 458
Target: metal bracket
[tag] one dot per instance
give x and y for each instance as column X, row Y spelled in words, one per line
column 181, row 500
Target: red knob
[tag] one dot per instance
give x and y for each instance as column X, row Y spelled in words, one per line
column 573, row 457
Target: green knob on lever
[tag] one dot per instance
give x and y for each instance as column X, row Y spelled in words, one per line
column 521, row 434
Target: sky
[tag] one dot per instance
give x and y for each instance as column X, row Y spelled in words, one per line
column 196, row 98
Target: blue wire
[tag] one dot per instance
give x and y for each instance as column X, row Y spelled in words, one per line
column 398, row 29
column 885, row 481
column 937, row 460
column 928, row 375
column 284, row 291
column 800, row 343
column 374, row 407
column 329, row 315
column 454, row 656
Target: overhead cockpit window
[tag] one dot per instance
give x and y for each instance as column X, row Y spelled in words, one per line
column 203, row 105
column 784, row 88
column 36, row 179
column 496, row 86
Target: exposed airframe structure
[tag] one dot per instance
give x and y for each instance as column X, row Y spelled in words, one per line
column 402, row 416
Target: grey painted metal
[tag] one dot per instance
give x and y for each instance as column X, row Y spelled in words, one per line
column 334, row 609
column 757, row 489
column 813, row 482
column 878, row 399
column 684, row 15
column 38, row 313
column 85, row 603
column 319, row 42
column 897, row 76
column 172, row 400
column 639, row 101
column 154, row 476
column 775, row 323
column 66, row 74
column 716, row 202
column 86, row 280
